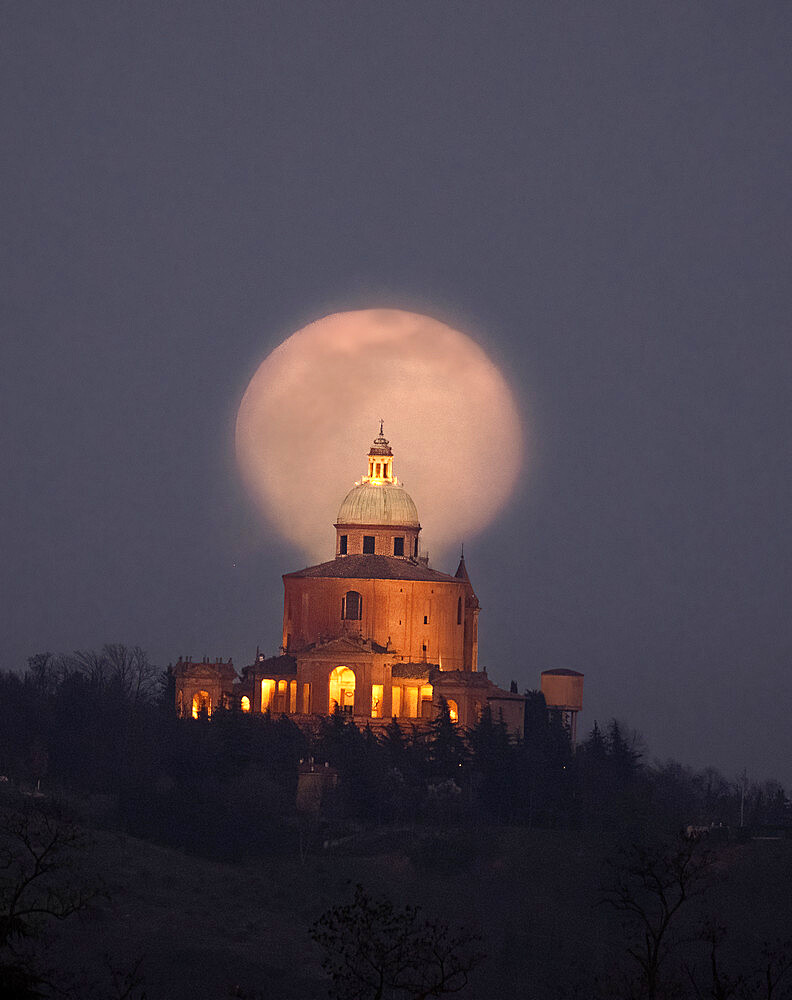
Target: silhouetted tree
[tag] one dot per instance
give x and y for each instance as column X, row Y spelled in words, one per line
column 653, row 886
column 37, row 886
column 374, row 951
column 492, row 761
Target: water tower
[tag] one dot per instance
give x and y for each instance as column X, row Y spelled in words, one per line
column 563, row 692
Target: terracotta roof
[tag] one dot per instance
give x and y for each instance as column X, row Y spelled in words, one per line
column 412, row 669
column 360, row 567
column 269, row 665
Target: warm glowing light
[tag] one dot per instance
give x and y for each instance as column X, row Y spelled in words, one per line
column 453, row 710
column 342, row 689
column 314, row 405
column 245, row 703
column 267, row 693
column 201, row 703
column 376, row 701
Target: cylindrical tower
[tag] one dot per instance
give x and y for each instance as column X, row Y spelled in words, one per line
column 563, row 692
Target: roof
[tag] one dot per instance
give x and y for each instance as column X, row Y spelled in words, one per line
column 562, row 672
column 378, row 503
column 271, row 665
column 412, row 669
column 360, row 567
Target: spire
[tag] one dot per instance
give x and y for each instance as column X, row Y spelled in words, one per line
column 462, row 573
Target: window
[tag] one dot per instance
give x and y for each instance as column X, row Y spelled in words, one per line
column 245, row 704
column 306, row 699
column 398, row 546
column 342, row 545
column 376, row 701
column 352, row 606
column 459, row 611
column 426, row 701
column 426, row 622
column 415, row 552
column 292, row 697
column 368, row 545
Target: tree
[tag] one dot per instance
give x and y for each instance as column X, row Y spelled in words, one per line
column 447, row 749
column 37, row 886
column 652, row 886
column 374, row 951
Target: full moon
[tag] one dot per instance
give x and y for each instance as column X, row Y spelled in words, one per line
column 311, row 411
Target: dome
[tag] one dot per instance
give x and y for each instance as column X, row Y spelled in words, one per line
column 378, row 503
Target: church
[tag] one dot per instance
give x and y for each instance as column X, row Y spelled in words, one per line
column 374, row 632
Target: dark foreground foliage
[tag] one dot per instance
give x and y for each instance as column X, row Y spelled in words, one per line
column 100, row 727
column 376, row 951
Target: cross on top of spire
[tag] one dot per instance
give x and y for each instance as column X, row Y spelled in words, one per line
column 381, row 444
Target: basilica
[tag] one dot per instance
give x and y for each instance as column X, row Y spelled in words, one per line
column 374, row 632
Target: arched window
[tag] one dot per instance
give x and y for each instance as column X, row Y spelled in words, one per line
column 453, row 710
column 342, row 690
column 352, row 606
column 201, row 704
column 245, row 703
column 459, row 611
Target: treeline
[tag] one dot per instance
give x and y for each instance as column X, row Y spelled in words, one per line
column 99, row 727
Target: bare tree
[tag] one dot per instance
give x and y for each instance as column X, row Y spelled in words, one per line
column 374, row 951
column 769, row 979
column 37, row 885
column 652, row 886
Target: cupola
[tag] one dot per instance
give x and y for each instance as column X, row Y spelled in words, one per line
column 378, row 516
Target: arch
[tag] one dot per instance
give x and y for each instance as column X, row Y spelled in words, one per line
column 453, row 709
column 201, row 704
column 245, row 703
column 342, row 690
column 267, row 693
column 352, row 606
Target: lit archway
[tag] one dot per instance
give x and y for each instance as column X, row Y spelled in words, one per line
column 201, row 704
column 267, row 692
column 245, row 703
column 342, row 690
column 453, row 710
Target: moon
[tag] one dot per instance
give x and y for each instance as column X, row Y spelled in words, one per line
column 313, row 407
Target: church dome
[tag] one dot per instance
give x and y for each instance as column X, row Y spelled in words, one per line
column 379, row 498
column 378, row 503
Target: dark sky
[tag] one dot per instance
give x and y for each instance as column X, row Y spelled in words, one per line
column 601, row 189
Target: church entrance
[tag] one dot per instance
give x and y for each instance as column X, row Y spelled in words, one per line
column 342, row 690
column 201, row 704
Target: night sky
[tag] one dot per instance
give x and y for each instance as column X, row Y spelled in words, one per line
column 598, row 192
